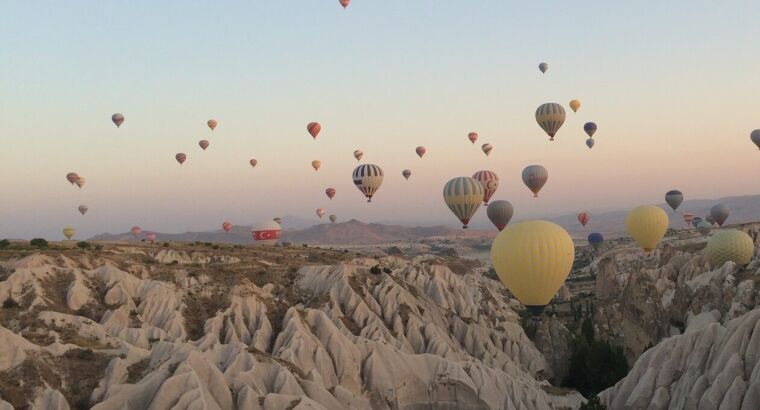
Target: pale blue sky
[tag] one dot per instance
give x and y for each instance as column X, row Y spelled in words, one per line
column 673, row 86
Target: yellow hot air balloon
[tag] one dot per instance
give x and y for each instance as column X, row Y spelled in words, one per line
column 647, row 225
column 69, row 232
column 532, row 259
column 574, row 105
column 729, row 245
column 316, row 164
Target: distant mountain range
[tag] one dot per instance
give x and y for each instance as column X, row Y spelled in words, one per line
column 612, row 224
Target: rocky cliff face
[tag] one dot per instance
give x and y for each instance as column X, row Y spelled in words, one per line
column 145, row 327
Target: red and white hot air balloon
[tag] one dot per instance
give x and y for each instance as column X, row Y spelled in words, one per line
column 203, row 144
column 330, row 192
column 136, row 230
column 227, row 226
column 420, row 151
column 266, row 232
column 490, row 182
column 487, row 149
column 117, row 119
column 181, row 158
column 320, row 212
column 72, row 177
column 151, row 237
column 253, row 162
column 473, row 136
column 314, row 128
column 344, row 3
column 212, row 123
column 583, row 218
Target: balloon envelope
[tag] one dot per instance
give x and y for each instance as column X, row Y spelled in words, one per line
column 674, row 198
column 595, row 239
column 590, row 128
column 136, row 231
column 367, row 179
column 647, row 225
column 755, row 137
column 253, row 163
column 463, row 196
column 473, row 136
column 574, row 105
column 83, row 209
column 80, row 181
column 490, row 182
column 583, row 218
column 704, row 228
column 330, row 192
column 420, row 151
column 695, row 221
column 313, row 128
column 720, row 212
column 358, row 154
column 406, row 173
column 534, row 177
column 543, row 67
column 590, row 143
column 487, row 148
column 320, row 212
column 72, row 177
column 333, row 218
column 212, row 123
column 533, row 259
column 344, row 3
column 316, row 164
column 550, row 117
column 203, row 144
column 227, row 226
column 117, row 119
column 687, row 217
column 181, row 158
column 266, row 232
column 729, row 245
column 499, row 213
column 69, row 232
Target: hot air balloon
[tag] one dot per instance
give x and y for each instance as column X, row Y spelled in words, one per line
column 80, row 181
column 473, row 136
column 490, row 182
column 550, row 117
column 320, row 212
column 83, row 209
column 344, row 3
column 330, row 192
column 117, row 119
column 647, row 225
column 543, row 67
column 595, row 239
column 590, row 143
column 69, row 232
column 368, row 178
column 406, row 173
column 487, row 149
column 151, row 237
column 212, row 123
column 314, row 128
column 695, row 221
column 711, row 220
column 687, row 217
column 583, row 218
column 704, row 228
column 72, row 177
column 278, row 220
column 463, row 196
column 203, row 144
column 720, row 212
column 333, row 218
column 574, row 105
column 266, row 232
column 226, row 226
column 729, row 245
column 358, row 154
column 181, row 158
column 499, row 212
column 590, row 128
column 253, row 162
column 755, row 137
column 534, row 177
column 316, row 164
column 533, row 259
column 674, row 198
column 136, row 231
column 420, row 151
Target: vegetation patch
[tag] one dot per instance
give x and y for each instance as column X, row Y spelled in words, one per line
column 199, row 308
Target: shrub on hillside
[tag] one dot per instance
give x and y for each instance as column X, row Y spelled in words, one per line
column 83, row 245
column 39, row 243
column 375, row 270
column 5, row 244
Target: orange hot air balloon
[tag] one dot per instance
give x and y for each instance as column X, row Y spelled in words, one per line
column 316, row 164
column 181, row 158
column 72, row 177
column 473, row 136
column 421, row 151
column 136, row 230
column 314, row 128
column 253, row 163
column 212, row 123
column 344, row 3
column 330, row 192
column 80, row 181
column 203, row 144
column 583, row 218
column 227, row 226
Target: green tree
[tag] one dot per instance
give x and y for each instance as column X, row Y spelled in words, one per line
column 594, row 367
column 39, row 243
column 587, row 330
column 5, row 244
column 83, row 245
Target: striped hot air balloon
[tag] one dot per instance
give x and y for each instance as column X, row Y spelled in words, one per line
column 583, row 218
column 203, row 144
column 72, row 177
column 117, row 119
column 463, row 196
column 330, row 192
column 313, row 128
column 266, row 232
column 420, row 151
column 487, row 148
column 490, row 182
column 368, row 178
column 227, row 226
column 212, row 123
column 550, row 117
column 181, row 158
column 473, row 136
column 534, row 177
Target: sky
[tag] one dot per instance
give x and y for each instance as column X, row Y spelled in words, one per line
column 672, row 86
